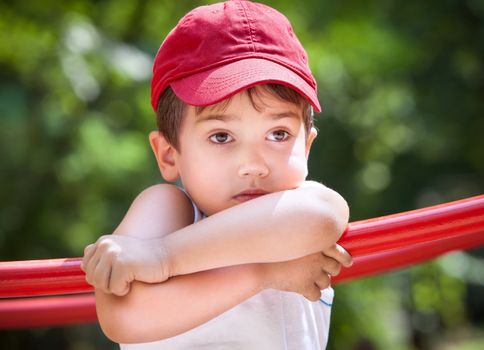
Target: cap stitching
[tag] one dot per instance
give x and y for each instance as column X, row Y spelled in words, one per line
column 249, row 21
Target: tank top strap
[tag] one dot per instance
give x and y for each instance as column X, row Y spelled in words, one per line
column 197, row 214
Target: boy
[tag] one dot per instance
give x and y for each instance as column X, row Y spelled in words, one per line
column 233, row 96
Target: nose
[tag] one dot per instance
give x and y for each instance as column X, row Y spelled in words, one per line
column 253, row 164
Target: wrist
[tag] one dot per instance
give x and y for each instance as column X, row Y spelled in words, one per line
column 166, row 260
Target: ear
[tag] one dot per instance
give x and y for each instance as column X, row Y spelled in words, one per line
column 311, row 136
column 165, row 156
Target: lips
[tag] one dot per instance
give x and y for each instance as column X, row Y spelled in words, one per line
column 247, row 195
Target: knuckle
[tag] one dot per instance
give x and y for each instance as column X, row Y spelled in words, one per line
column 119, row 290
column 115, row 290
column 324, row 282
column 336, row 268
column 124, row 291
column 111, row 252
column 88, row 248
column 88, row 279
column 97, row 282
column 104, row 243
column 312, row 292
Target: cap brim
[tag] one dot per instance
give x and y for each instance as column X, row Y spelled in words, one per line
column 215, row 85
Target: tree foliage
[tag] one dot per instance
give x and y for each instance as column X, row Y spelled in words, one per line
column 401, row 85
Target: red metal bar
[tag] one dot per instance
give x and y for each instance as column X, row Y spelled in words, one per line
column 434, row 223
column 376, row 263
column 377, row 245
column 57, row 311
column 47, row 311
column 32, row 269
column 42, row 277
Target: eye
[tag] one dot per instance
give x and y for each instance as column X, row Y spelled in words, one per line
column 278, row 135
column 221, row 137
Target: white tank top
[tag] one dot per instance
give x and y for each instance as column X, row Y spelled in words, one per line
column 270, row 320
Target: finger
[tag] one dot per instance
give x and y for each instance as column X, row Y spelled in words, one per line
column 340, row 254
column 324, row 281
column 312, row 293
column 88, row 253
column 117, row 284
column 101, row 275
column 91, row 267
column 91, row 272
column 331, row 266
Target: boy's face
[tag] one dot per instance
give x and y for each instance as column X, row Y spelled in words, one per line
column 229, row 155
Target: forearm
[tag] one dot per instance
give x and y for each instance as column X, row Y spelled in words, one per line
column 275, row 227
column 151, row 312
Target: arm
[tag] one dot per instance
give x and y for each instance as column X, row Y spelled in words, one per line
column 156, row 311
column 283, row 226
column 276, row 227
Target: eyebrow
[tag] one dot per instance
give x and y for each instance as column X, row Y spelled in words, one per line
column 221, row 117
column 292, row 115
column 229, row 117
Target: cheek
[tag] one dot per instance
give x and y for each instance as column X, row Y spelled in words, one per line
column 197, row 170
column 298, row 160
column 292, row 169
column 202, row 176
column 298, row 168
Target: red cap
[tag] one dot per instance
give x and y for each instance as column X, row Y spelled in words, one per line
column 218, row 50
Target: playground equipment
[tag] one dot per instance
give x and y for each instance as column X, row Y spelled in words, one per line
column 53, row 292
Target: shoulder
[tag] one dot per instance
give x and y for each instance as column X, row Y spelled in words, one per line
column 163, row 192
column 166, row 200
column 158, row 210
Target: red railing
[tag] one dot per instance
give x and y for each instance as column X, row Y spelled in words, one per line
column 377, row 245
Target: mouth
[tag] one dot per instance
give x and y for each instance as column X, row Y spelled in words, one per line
column 247, row 195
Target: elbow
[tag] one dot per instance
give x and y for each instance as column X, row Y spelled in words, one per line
column 334, row 224
column 326, row 214
column 118, row 333
column 118, row 318
column 112, row 317
column 337, row 214
column 112, row 330
column 126, row 319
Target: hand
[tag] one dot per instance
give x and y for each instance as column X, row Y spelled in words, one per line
column 340, row 255
column 307, row 275
column 114, row 261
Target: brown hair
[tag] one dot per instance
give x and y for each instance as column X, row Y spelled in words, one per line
column 171, row 109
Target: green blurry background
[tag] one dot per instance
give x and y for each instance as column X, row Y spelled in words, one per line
column 402, row 86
